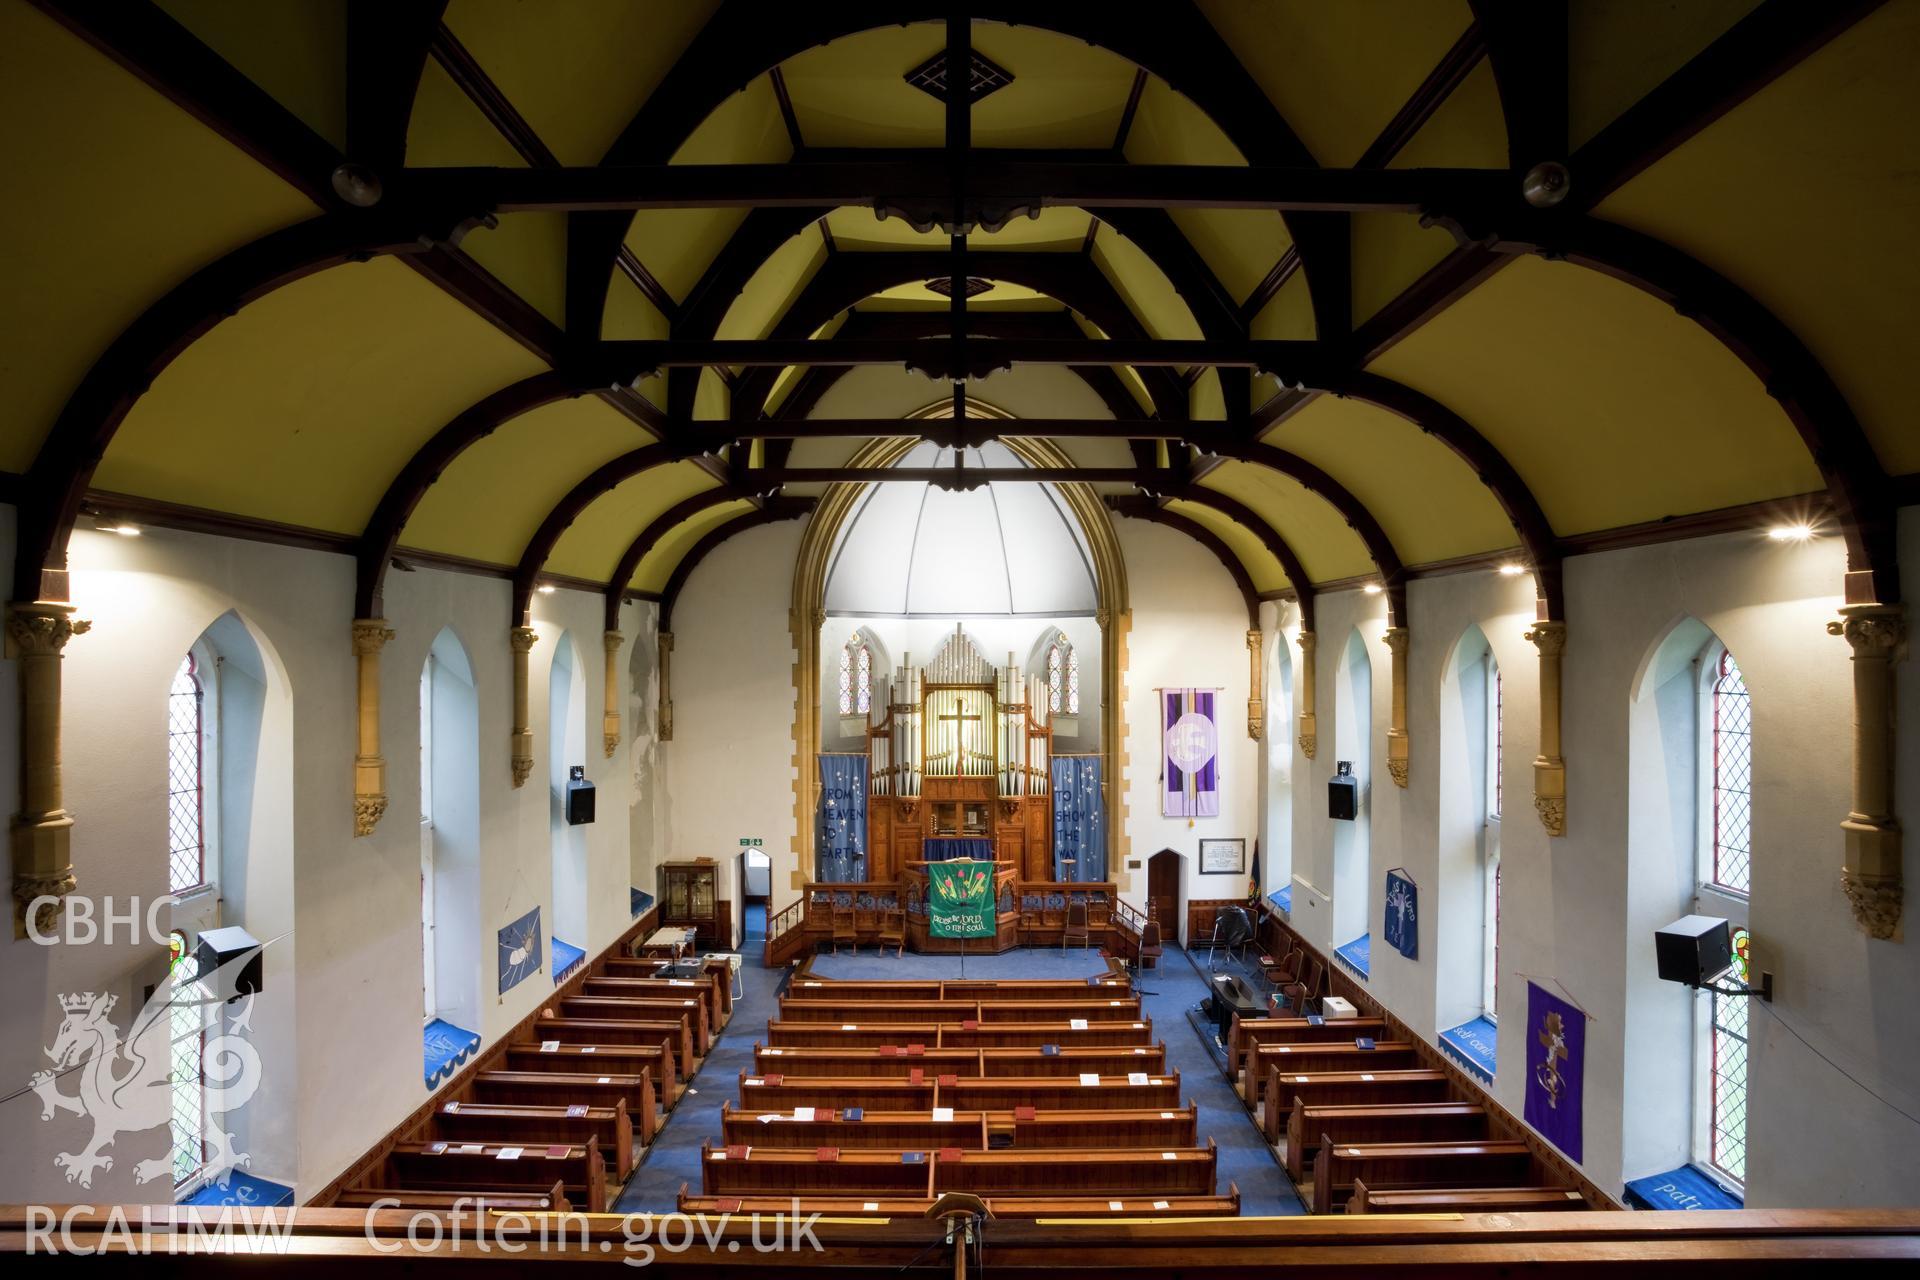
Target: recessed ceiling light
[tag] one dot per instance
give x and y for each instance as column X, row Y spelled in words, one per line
column 546, row 588
column 1512, row 570
column 1790, row 532
column 124, row 530
column 1374, row 588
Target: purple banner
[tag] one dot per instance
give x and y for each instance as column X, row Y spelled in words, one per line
column 1556, row 1042
column 1189, row 754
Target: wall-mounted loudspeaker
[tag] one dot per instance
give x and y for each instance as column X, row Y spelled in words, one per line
column 1694, row 950
column 216, row 947
column 1343, row 793
column 579, row 797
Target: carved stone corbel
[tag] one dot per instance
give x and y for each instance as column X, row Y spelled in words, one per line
column 521, row 638
column 370, row 636
column 42, row 835
column 610, row 720
column 1549, row 769
column 1396, row 639
column 666, row 685
column 1256, row 707
column 1871, row 875
column 1309, row 733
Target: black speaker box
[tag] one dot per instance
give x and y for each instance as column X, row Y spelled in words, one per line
column 216, row 947
column 1343, row 795
column 579, row 798
column 1693, row 949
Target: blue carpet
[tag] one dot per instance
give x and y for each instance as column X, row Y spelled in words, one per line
column 756, row 921
column 1357, row 953
column 1175, row 986
column 1474, row 1045
column 446, row 1047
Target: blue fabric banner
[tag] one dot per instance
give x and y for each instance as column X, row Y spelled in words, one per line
column 1403, row 913
column 520, row 954
column 1682, row 1188
column 842, row 845
column 1079, row 830
column 1556, row 1043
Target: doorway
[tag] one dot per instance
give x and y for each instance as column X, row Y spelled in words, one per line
column 756, row 886
column 1163, row 889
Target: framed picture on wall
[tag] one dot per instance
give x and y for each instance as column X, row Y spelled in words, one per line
column 1223, row 857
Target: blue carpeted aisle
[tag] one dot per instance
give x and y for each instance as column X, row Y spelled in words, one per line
column 1176, row 985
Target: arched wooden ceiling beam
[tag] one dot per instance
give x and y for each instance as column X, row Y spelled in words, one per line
column 1522, row 509
column 56, row 483
column 1792, row 375
column 430, row 461
column 741, row 42
column 603, row 478
column 1527, row 49
column 1393, row 575
column 849, row 278
column 387, row 47
column 775, row 510
column 1141, row 507
column 660, row 527
column 1270, row 538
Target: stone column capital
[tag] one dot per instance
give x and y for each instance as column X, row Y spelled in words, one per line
column 522, row 639
column 42, row 628
column 370, row 635
column 612, row 640
column 1395, row 639
column 1548, row 637
column 1872, row 630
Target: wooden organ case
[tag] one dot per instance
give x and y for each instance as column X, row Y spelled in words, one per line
column 962, row 748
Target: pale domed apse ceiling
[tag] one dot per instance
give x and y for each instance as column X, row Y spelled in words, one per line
column 914, row 550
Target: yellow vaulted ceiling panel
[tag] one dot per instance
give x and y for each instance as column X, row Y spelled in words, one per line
column 630, row 315
column 130, row 196
column 1430, row 503
column 1612, row 408
column 853, row 92
column 1327, row 548
column 658, row 565
column 1057, row 227
column 1807, row 195
column 1143, row 286
column 304, row 406
column 578, row 70
column 1338, row 72
column 1467, row 132
column 447, row 129
column 1390, row 251
column 1246, row 546
column 1288, row 315
column 1617, row 52
column 677, row 245
column 528, row 252
column 774, row 286
column 593, row 545
column 294, row 49
column 490, row 501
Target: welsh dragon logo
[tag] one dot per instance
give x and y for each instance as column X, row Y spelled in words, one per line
column 125, row 1086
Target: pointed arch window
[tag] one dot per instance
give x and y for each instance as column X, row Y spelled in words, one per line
column 1063, row 678
column 186, row 780
column 187, row 1035
column 1732, row 852
column 856, row 677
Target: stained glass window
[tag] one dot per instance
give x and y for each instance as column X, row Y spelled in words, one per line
column 187, row 1034
column 1073, row 682
column 1499, row 743
column 186, row 810
column 846, row 682
column 856, row 677
column 1732, row 777
column 1728, row 1074
column 1063, row 677
column 863, row 680
column 1053, row 677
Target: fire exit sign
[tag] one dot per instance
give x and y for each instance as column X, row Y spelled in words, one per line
column 749, row 842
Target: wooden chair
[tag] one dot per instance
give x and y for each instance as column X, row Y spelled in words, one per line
column 844, row 930
column 893, row 931
column 1298, row 993
column 1150, row 947
column 1076, row 926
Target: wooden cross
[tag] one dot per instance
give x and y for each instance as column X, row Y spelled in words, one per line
column 959, row 715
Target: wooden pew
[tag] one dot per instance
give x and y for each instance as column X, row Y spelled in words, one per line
column 1344, row 1088
column 706, row 990
column 1408, row 1122
column 540, row 1126
column 972, row 991
column 1302, row 1059
column 1023, row 1035
column 1464, row 1200
column 1061, row 1093
column 477, row 1168
column 758, row 1094
column 1244, row 1037
column 766, row 1170
column 629, row 1009
column 717, row 979
column 553, row 1200
column 970, row 1130
column 566, row 1088
column 658, row 1062
column 677, row 1035
column 1014, row 1207
column 948, row 1012
column 850, row 1035
column 1412, row 1166
column 1110, row 1172
column 875, row 1062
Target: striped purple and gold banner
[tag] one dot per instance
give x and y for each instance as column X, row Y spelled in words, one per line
column 1189, row 754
